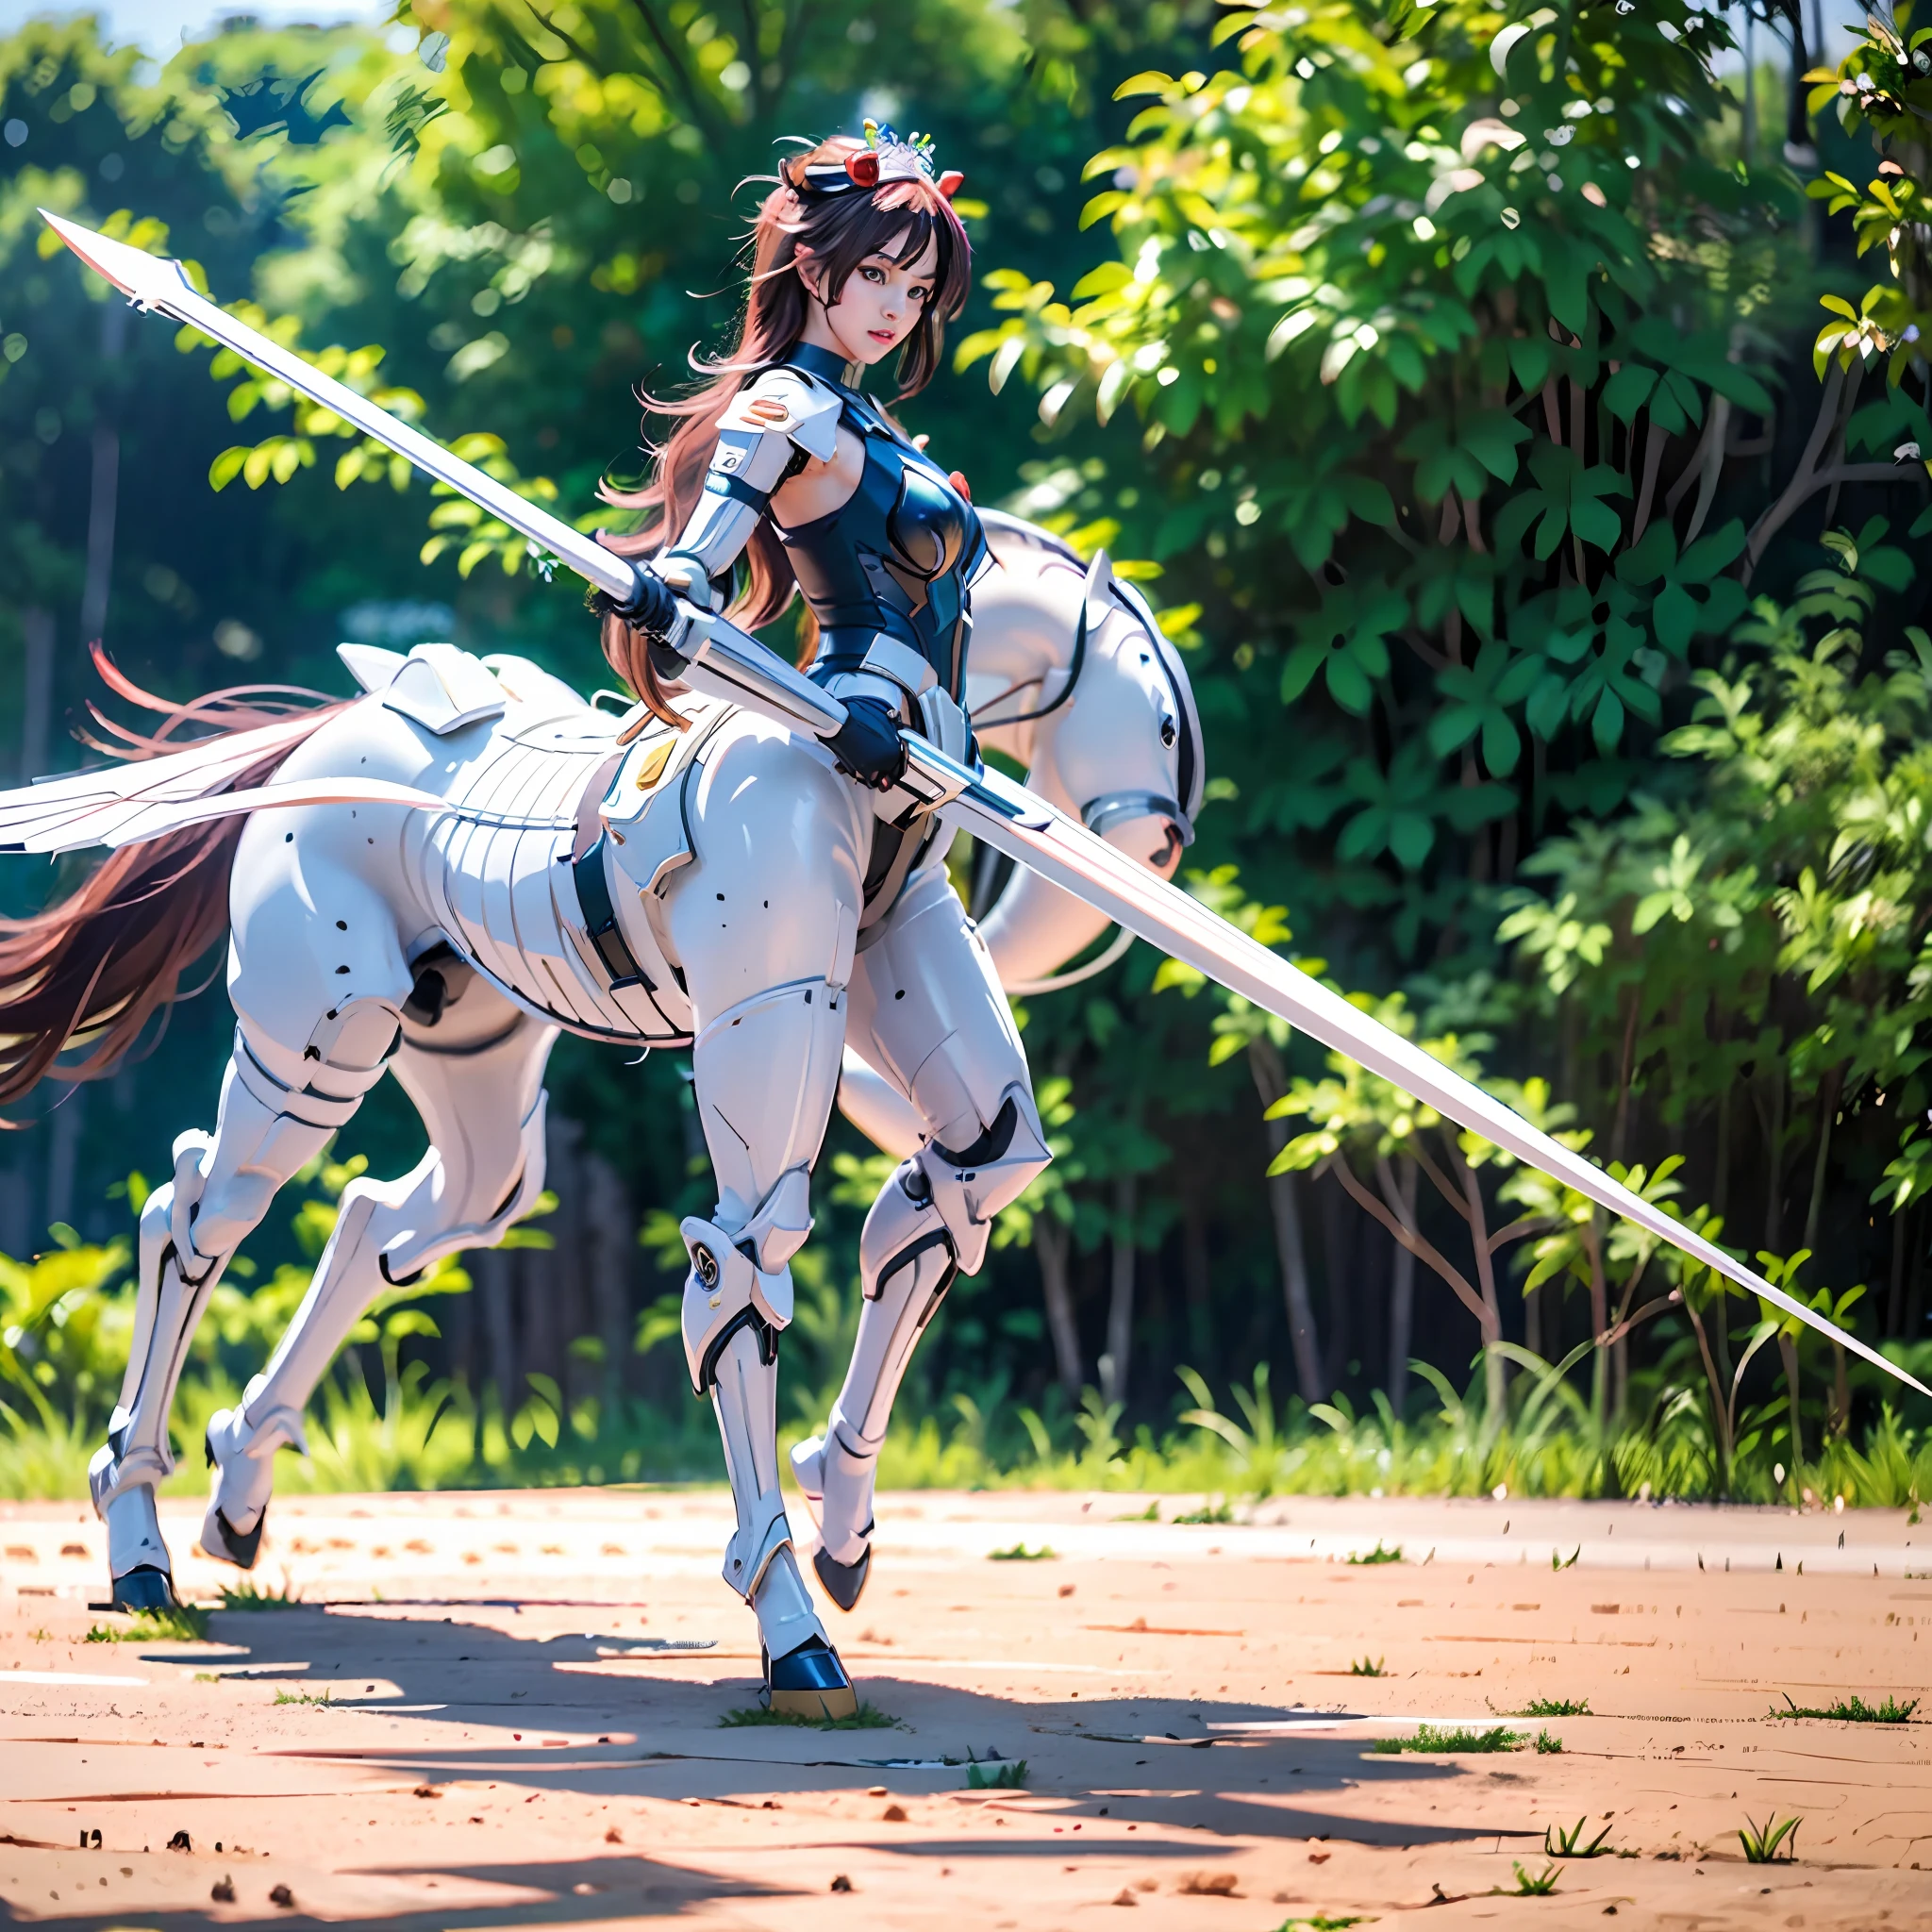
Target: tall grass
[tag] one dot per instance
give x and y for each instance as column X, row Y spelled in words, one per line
column 381, row 1420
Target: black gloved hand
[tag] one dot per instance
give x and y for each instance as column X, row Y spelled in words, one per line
column 867, row 745
column 652, row 608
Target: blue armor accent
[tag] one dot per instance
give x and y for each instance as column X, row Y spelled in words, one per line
column 897, row 559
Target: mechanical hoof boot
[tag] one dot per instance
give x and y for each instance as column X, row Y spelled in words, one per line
column 843, row 1582
column 837, row 1488
column 143, row 1589
column 241, row 1450
column 139, row 1574
column 222, row 1539
column 810, row 1682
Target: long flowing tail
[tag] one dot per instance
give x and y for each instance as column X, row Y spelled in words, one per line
column 92, row 969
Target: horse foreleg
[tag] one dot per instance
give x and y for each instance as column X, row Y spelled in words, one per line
column 189, row 1228
column 928, row 1013
column 481, row 1099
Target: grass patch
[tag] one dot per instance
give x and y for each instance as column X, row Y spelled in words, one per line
column 1559, row 1842
column 1150, row 1514
column 183, row 1625
column 1020, row 1553
column 1219, row 1512
column 1459, row 1739
column 997, row 1778
column 1379, row 1555
column 868, row 1717
column 1367, row 1667
column 1322, row 1922
column 1853, row 1710
column 1547, row 1747
column 1533, row 1884
column 1761, row 1841
column 1555, row 1706
column 251, row 1597
column 325, row 1701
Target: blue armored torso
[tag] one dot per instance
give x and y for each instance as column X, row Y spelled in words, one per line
column 896, row 559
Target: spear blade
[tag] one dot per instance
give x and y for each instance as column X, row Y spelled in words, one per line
column 1032, row 831
column 154, row 283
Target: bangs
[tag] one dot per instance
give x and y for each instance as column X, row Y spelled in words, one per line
column 900, row 221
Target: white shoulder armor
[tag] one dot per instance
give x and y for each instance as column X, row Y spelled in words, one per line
column 767, row 427
column 788, row 402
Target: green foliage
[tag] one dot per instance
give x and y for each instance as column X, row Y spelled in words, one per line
column 1532, row 1885
column 1429, row 366
column 1010, row 1777
column 868, row 1717
column 1561, row 1841
column 1379, row 1555
column 1556, row 1706
column 1368, row 1667
column 252, row 1596
column 1761, row 1841
column 1207, row 1513
column 183, row 1625
column 1853, row 1710
column 1456, row 1739
column 1022, row 1553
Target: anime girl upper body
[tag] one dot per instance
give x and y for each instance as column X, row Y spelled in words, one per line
column 785, row 465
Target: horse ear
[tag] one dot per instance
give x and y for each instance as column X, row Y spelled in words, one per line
column 1098, row 590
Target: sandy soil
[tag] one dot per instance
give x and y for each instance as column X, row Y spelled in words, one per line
column 524, row 1696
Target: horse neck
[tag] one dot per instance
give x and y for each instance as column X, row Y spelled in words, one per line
column 1026, row 622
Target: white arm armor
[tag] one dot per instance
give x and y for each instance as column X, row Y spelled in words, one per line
column 771, row 426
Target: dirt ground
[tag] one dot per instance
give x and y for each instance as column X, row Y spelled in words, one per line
column 506, row 1710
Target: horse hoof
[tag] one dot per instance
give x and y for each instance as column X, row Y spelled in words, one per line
column 144, row 1589
column 810, row 1682
column 843, row 1582
column 221, row 1541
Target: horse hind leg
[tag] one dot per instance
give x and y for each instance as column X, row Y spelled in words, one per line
column 474, row 1066
column 270, row 1124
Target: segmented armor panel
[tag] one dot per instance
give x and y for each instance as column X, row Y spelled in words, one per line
column 502, row 868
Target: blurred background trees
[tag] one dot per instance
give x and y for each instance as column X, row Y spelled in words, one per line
column 1452, row 377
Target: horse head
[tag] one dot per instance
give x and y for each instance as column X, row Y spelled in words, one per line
column 1070, row 675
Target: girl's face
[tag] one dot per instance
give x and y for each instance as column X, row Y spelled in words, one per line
column 877, row 308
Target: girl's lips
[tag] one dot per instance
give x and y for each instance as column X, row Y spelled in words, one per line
column 882, row 334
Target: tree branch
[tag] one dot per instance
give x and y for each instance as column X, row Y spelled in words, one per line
column 1522, row 1229
column 1654, row 442
column 1443, row 1187
column 1799, row 487
column 701, row 109
column 1828, row 479
column 1612, row 1336
column 1407, row 1236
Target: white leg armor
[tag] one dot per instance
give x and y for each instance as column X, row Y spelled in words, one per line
column 927, row 1013
column 474, row 1074
column 765, row 1073
column 189, row 1230
column 763, row 927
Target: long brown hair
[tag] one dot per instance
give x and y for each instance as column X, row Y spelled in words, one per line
column 95, row 966
column 898, row 219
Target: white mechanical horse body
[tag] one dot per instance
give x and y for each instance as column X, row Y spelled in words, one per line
column 696, row 888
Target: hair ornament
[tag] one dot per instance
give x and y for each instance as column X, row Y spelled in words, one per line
column 886, row 157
